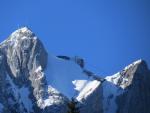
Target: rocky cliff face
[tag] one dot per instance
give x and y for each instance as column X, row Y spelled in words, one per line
column 33, row 81
column 136, row 96
column 132, row 89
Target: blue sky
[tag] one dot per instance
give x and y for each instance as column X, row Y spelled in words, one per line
column 108, row 34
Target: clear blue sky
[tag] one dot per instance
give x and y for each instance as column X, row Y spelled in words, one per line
column 108, row 34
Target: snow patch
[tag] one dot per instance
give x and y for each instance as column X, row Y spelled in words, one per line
column 24, row 37
column 39, row 73
column 114, row 78
column 79, row 84
column 39, row 69
column 88, row 88
column 52, row 99
column 60, row 73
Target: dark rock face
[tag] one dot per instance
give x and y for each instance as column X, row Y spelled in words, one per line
column 136, row 98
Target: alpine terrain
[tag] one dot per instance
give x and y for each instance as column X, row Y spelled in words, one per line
column 33, row 81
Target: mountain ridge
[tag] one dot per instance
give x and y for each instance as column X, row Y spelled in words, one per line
column 51, row 82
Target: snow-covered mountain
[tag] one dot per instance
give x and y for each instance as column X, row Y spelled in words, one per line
column 33, row 81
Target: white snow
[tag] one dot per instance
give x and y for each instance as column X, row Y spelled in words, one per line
column 60, row 74
column 24, row 37
column 39, row 73
column 51, row 100
column 114, row 78
column 35, row 38
column 79, row 84
column 47, row 102
column 38, row 69
column 15, row 42
column 87, row 88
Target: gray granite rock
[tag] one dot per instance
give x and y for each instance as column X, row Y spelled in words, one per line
column 136, row 98
column 132, row 94
column 20, row 55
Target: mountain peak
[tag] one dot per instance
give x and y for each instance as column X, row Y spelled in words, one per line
column 22, row 47
column 23, row 33
column 136, row 63
column 23, row 30
column 125, row 77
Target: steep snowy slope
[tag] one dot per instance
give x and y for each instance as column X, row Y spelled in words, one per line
column 61, row 73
